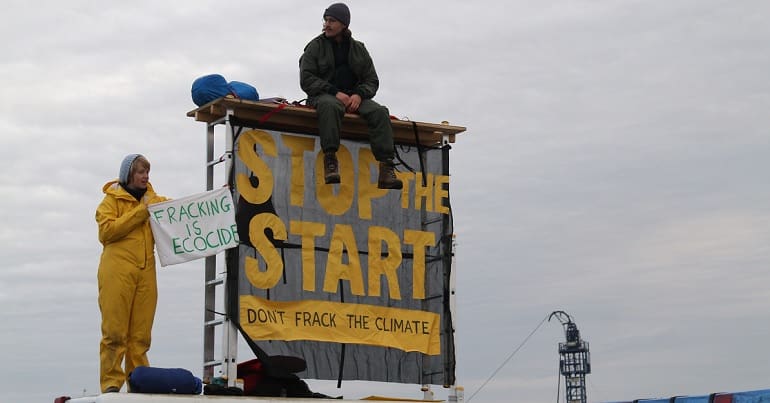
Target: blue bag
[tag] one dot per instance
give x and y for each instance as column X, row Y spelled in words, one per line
column 244, row 91
column 208, row 88
column 164, row 380
column 213, row 86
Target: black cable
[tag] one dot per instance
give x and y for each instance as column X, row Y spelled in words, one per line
column 401, row 160
column 342, row 349
column 507, row 359
column 215, row 312
column 420, row 152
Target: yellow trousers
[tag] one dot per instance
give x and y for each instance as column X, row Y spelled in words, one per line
column 128, row 296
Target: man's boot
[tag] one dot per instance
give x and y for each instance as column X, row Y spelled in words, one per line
column 387, row 178
column 331, row 168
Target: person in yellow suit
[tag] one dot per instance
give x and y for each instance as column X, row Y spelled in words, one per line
column 128, row 291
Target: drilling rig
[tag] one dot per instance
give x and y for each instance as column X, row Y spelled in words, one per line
column 574, row 359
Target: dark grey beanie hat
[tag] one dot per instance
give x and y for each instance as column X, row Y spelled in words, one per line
column 340, row 12
column 125, row 167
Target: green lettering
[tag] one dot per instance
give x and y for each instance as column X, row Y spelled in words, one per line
column 225, row 206
column 189, row 210
column 184, row 245
column 171, row 210
column 157, row 215
column 208, row 242
column 213, row 207
column 196, row 243
column 183, row 212
column 177, row 246
column 202, row 210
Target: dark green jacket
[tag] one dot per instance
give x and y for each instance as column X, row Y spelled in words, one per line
column 316, row 68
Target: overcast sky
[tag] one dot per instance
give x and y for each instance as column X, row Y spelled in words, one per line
column 616, row 166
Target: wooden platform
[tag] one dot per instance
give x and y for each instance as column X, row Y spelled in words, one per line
column 271, row 115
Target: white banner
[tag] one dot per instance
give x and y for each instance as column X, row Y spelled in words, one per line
column 194, row 226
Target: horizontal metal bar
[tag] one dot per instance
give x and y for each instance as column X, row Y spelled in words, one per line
column 218, row 121
column 216, row 281
column 215, row 322
column 212, row 363
column 224, row 157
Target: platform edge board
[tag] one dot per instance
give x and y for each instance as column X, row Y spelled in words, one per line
column 302, row 119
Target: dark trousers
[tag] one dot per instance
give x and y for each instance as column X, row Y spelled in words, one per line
column 330, row 112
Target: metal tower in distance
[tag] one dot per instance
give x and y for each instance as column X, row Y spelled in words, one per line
column 574, row 360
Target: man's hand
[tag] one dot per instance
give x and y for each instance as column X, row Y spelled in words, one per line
column 344, row 98
column 355, row 102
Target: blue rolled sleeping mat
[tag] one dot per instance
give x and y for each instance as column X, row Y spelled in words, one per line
column 164, row 381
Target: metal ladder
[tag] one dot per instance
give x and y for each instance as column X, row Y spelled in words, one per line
column 216, row 280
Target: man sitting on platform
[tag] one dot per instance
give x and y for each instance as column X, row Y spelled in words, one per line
column 338, row 75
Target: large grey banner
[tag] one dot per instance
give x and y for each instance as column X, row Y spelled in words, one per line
column 352, row 278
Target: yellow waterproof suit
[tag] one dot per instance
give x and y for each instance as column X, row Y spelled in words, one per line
column 128, row 292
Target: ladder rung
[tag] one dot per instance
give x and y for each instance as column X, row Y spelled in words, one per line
column 216, row 281
column 226, row 156
column 212, row 363
column 214, row 322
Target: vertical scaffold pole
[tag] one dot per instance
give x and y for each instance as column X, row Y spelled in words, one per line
column 229, row 332
column 209, row 298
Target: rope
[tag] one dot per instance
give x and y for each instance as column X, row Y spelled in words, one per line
column 267, row 116
column 507, row 359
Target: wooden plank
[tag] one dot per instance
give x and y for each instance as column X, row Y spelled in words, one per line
column 304, row 120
